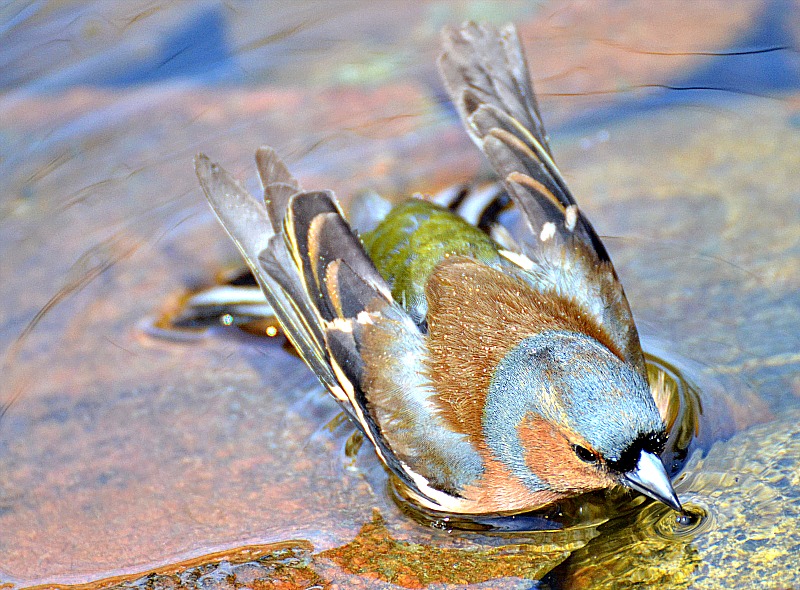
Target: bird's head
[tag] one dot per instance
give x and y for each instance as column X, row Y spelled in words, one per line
column 567, row 415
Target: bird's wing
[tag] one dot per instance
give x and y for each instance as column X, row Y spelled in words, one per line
column 248, row 225
column 337, row 310
column 486, row 75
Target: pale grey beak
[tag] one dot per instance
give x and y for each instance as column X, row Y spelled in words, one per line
column 650, row 478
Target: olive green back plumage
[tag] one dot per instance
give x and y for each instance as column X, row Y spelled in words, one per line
column 413, row 239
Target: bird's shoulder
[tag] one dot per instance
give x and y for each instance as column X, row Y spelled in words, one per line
column 476, row 315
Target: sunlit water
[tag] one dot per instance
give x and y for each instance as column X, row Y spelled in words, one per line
column 219, row 459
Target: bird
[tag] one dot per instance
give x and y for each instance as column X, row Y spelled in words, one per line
column 494, row 370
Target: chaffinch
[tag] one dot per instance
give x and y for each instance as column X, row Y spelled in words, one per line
column 493, row 371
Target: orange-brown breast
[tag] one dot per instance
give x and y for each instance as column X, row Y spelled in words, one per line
column 499, row 491
column 476, row 315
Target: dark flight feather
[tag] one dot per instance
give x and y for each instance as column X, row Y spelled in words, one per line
column 278, row 183
column 248, row 224
column 486, row 74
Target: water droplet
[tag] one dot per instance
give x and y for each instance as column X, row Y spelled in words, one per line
column 694, row 520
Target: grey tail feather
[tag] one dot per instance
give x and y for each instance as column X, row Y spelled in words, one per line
column 482, row 65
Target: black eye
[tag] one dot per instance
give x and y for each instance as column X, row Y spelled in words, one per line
column 584, row 454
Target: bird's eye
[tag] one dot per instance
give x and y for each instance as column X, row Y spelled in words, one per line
column 584, row 454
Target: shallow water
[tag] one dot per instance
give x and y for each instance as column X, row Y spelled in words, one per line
column 124, row 453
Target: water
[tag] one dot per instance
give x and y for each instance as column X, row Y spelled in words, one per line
column 125, row 454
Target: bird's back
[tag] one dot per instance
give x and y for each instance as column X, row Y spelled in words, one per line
column 414, row 238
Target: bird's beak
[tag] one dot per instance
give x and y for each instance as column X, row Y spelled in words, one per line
column 650, row 478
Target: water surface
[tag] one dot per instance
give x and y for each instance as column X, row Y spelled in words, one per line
column 125, row 454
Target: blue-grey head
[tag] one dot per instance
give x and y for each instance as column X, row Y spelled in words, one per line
column 567, row 415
